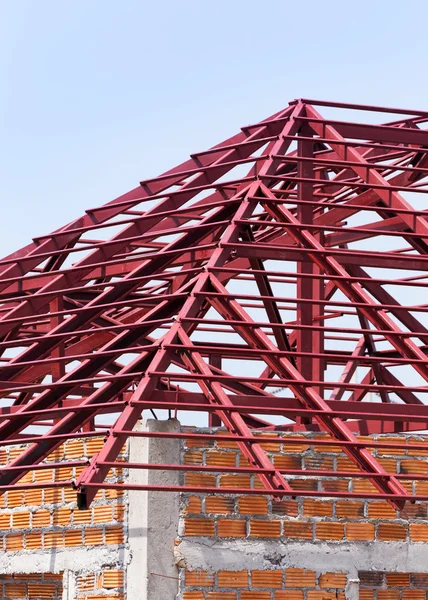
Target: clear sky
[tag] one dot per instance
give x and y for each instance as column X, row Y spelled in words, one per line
column 98, row 94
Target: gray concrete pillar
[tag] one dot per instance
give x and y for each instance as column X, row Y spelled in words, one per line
column 153, row 517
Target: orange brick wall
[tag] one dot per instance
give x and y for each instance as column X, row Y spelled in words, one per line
column 102, row 585
column 375, row 585
column 31, row 586
column 253, row 519
column 303, row 519
column 47, row 519
column 275, row 584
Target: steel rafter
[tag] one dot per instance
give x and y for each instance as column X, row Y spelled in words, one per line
column 275, row 282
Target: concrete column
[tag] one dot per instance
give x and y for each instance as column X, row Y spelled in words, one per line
column 153, row 517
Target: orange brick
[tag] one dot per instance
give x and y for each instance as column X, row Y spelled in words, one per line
column 381, row 510
column 43, row 475
column 41, row 518
column 200, row 480
column 332, row 580
column 266, row 579
column 414, row 511
column 419, row 467
column 422, row 488
column 419, row 579
column 329, row 531
column 325, row 447
column 221, row 596
column 347, row 509
column 270, row 446
column 195, row 443
column 199, row 578
column 53, row 539
column 94, row 446
column 391, row 532
column 419, row 532
column 70, row 494
column 334, row 485
column 73, row 537
column 54, row 496
column 103, row 514
column 389, row 464
column 235, row 481
column 398, row 579
column 86, row 582
column 74, row 449
column 115, row 535
column 413, row 594
column 198, row 527
column 5, row 520
column 14, row 542
column 21, row 520
column 119, row 512
column 321, row 595
column 33, row 497
column 233, row 579
column 61, row 516
column 289, row 595
column 16, row 590
column 219, row 505
column 93, row 537
column 346, row 464
column 112, row 579
column 300, row 578
column 82, row 517
column 252, row 505
column 231, row 528
column 303, row 484
column 193, row 596
column 247, row 595
column 363, row 486
column 63, row 474
column 417, row 452
column 15, row 499
column 193, row 458
column 317, row 508
column 388, row 594
column 366, row 594
column 33, row 541
column 319, row 462
column 296, row 529
column 224, row 459
column 360, row 531
column 267, row 529
column 394, row 440
column 228, row 444
column 194, row 505
column 289, row 508
column 295, row 447
column 286, row 461
column 41, row 590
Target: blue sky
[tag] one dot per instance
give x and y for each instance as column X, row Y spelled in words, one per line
column 96, row 95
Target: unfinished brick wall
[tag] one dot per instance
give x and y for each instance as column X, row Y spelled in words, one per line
column 241, row 521
column 376, row 585
column 32, row 586
column 41, row 521
column 277, row 584
column 228, row 547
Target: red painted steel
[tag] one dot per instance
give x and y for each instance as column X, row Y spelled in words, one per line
column 280, row 275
